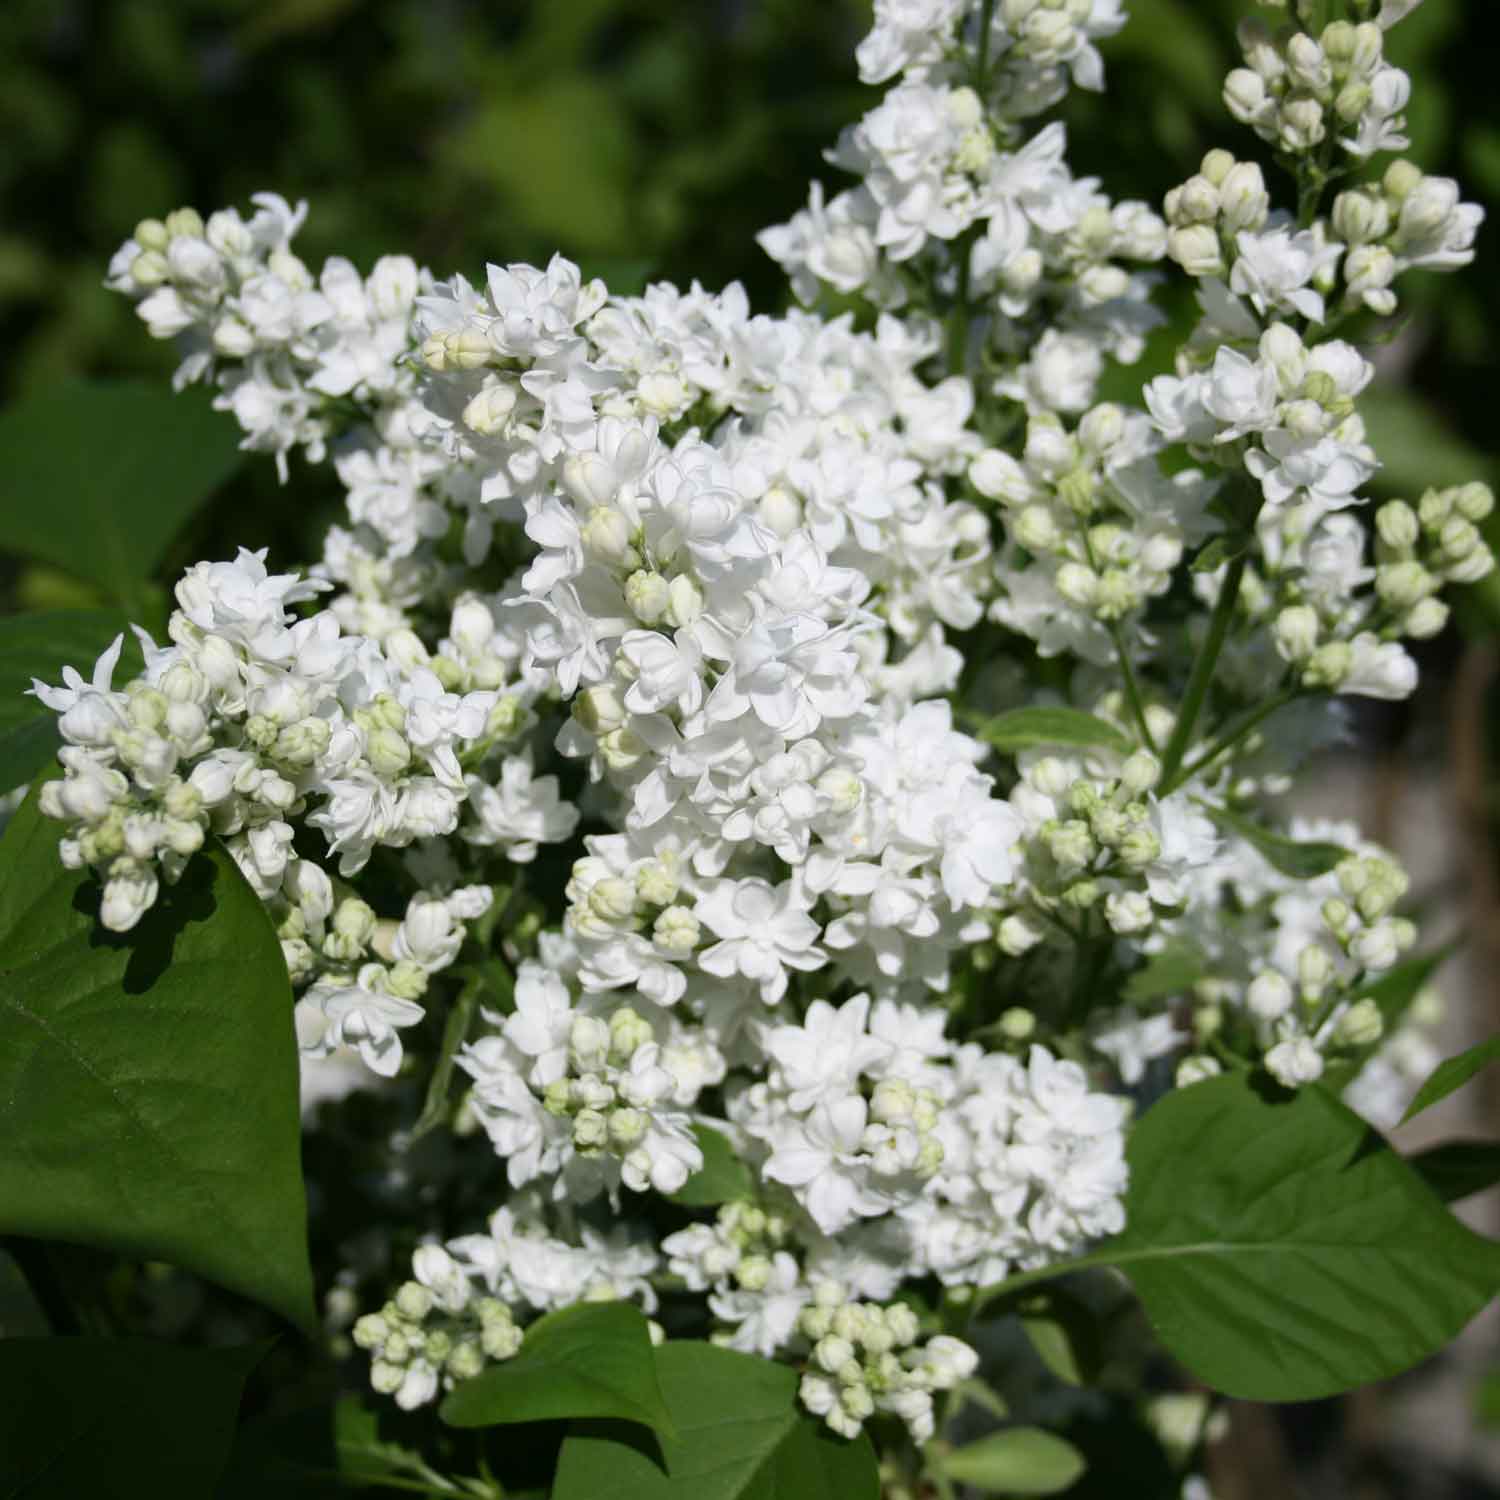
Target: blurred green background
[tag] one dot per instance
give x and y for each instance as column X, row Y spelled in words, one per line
column 644, row 138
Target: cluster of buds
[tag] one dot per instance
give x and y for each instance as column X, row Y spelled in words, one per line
column 738, row 1249
column 901, row 1135
column 1065, row 508
column 434, row 1332
column 1306, row 1015
column 1406, row 219
column 1222, row 199
column 1296, row 89
column 1101, row 827
column 866, row 1358
column 632, row 910
column 1421, row 549
column 1360, row 918
column 619, row 1097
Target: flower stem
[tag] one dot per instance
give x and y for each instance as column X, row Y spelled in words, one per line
column 1132, row 686
column 1203, row 670
column 435, row 1107
column 1229, row 739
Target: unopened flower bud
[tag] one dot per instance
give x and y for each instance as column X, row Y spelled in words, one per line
column 606, row 533
column 599, row 709
column 677, row 930
column 1196, row 202
column 1195, row 1069
column 1396, row 523
column 1140, row 847
column 1015, row 936
column 1360, row 217
column 490, row 411
column 1329, row 665
column 1017, row 1023
column 1140, row 773
column 1474, row 501
column 1400, row 178
column 1361, row 1025
column 1425, row 619
column 1244, row 95
column 648, row 595
column 1195, row 247
column 1269, row 996
column 1244, row 201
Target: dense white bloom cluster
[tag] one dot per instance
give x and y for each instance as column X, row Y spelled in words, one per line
column 720, row 589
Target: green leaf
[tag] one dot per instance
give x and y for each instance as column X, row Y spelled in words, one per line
column 1024, row 728
column 741, row 1435
column 1018, row 1461
column 1063, row 1331
column 1176, row 968
column 1219, row 552
column 148, row 1080
column 1458, row 1169
column 41, row 645
column 1395, row 990
column 590, row 1360
column 722, row 1178
column 1453, row 1074
column 1302, row 861
column 1289, row 1254
column 98, row 477
column 111, row 1419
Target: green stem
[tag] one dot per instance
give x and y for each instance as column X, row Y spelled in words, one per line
column 963, row 248
column 1132, row 687
column 395, row 1482
column 1229, row 739
column 1203, row 669
column 982, row 60
column 1086, row 965
column 958, row 317
column 1023, row 1279
column 435, row 1107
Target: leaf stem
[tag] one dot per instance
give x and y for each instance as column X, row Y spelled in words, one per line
column 1203, row 669
column 1229, row 739
column 1022, row 1279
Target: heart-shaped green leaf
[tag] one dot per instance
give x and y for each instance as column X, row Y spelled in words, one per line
column 148, row 1080
column 40, row 646
column 590, row 1360
column 1290, row 1253
column 741, row 1434
column 99, row 476
column 722, row 1178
